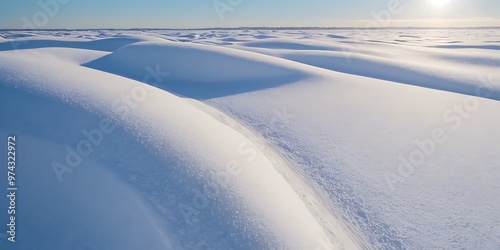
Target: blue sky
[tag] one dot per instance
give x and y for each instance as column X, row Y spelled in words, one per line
column 236, row 13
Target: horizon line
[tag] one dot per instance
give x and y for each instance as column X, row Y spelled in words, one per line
column 267, row 28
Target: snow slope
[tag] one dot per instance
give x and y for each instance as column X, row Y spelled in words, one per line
column 256, row 139
column 224, row 187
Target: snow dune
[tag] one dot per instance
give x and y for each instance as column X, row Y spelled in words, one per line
column 249, row 139
column 390, row 62
column 243, row 71
column 226, row 192
column 103, row 44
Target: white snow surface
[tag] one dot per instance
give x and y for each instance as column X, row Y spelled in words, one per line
column 253, row 139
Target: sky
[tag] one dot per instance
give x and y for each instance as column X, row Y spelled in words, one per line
column 81, row 14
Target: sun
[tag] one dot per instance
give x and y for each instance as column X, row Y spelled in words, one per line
column 439, row 3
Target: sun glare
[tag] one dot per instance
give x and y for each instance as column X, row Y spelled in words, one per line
column 439, row 3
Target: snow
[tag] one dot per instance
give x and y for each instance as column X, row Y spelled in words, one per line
column 248, row 139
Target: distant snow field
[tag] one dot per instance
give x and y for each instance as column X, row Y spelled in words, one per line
column 252, row 139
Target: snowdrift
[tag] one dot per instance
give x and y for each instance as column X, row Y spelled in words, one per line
column 100, row 44
column 199, row 71
column 106, row 151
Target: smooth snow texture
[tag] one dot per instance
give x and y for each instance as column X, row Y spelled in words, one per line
column 243, row 71
column 257, row 207
column 298, row 139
